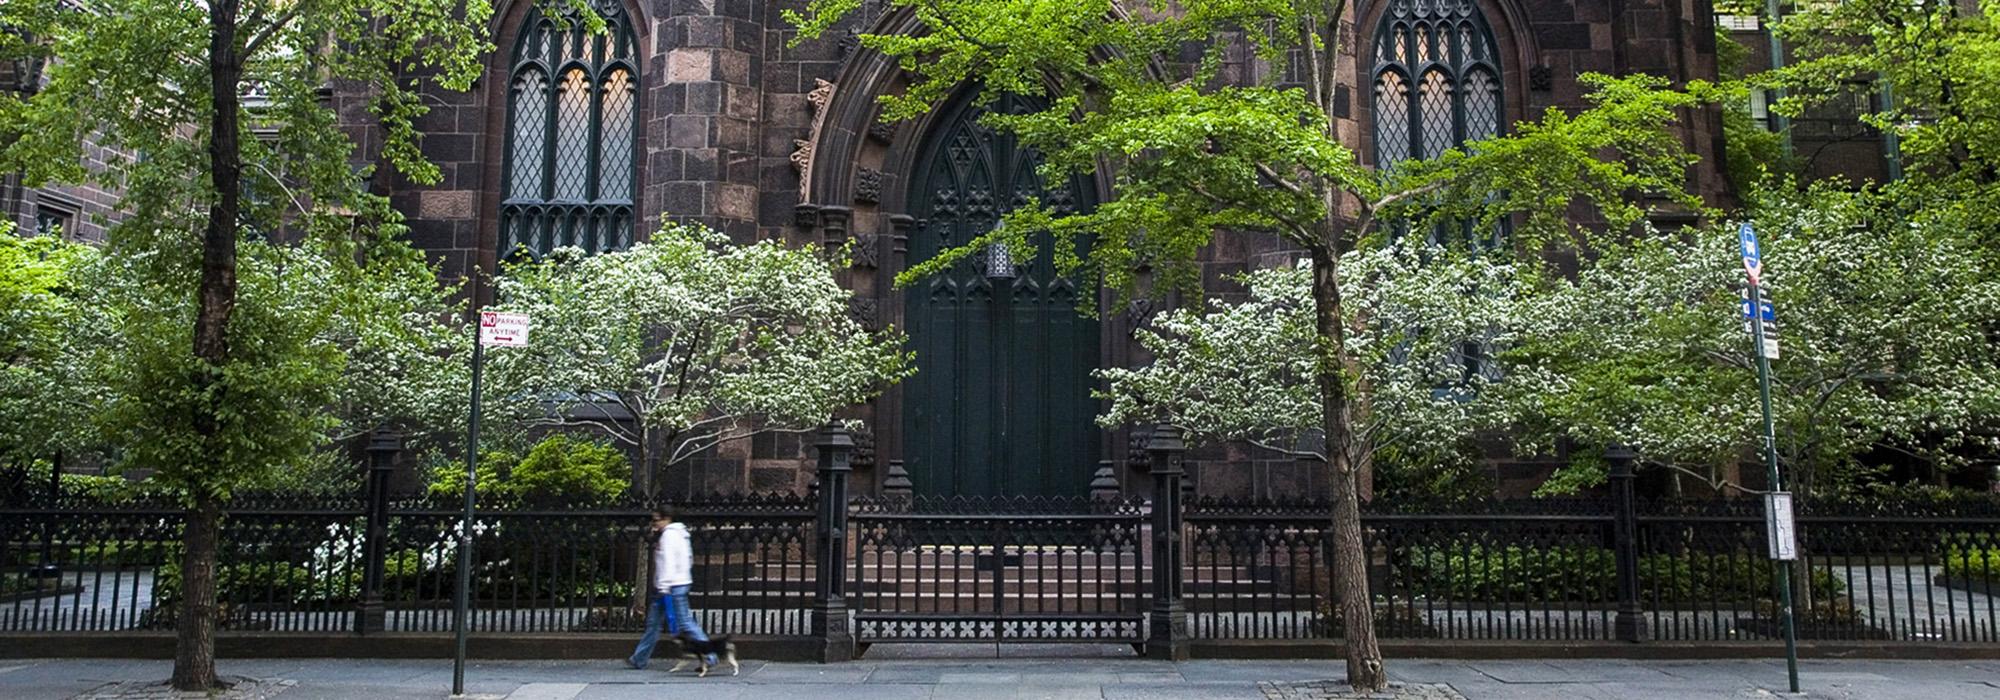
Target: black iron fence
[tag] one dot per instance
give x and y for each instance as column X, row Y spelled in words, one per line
column 1533, row 572
column 824, row 565
column 98, row 568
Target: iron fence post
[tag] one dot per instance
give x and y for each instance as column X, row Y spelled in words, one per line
column 1630, row 624
column 1167, row 625
column 49, row 568
column 830, row 628
column 369, row 615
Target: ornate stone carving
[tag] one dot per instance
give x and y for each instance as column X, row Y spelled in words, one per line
column 1138, row 313
column 868, row 186
column 821, row 94
column 802, row 158
column 863, row 310
column 864, row 447
column 866, row 256
column 1541, row 78
column 848, row 42
column 882, row 131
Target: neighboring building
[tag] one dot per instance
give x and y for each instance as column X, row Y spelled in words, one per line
column 698, row 110
column 1829, row 140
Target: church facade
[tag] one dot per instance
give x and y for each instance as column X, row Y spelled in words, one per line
column 702, row 111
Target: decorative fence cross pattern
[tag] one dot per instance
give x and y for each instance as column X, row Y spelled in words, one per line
column 1015, row 570
column 876, row 570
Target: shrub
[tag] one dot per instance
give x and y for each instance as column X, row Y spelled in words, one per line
column 1973, row 562
column 1473, row 573
column 448, row 477
column 558, row 467
column 562, row 466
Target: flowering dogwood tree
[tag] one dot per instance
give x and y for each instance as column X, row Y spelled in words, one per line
column 1886, row 330
column 1422, row 325
column 692, row 340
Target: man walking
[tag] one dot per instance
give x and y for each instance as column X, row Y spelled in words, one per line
column 673, row 575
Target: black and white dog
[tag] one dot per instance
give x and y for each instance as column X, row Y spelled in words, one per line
column 695, row 653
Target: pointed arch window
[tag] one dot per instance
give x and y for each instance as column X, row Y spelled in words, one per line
column 1436, row 86
column 571, row 133
column 1436, row 79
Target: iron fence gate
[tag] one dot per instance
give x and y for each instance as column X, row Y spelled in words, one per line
column 998, row 570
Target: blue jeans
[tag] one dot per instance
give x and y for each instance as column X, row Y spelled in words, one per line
column 670, row 609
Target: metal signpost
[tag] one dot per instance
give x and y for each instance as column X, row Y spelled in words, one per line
column 499, row 329
column 1778, row 503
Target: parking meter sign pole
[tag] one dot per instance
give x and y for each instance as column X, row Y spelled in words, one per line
column 464, row 602
column 501, row 330
column 1753, row 266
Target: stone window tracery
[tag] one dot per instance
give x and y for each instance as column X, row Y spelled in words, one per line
column 571, row 135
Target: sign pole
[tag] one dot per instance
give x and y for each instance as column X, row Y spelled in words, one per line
column 1784, row 577
column 1753, row 264
column 464, row 602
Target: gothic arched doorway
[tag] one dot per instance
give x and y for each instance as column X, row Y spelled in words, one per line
column 1000, row 404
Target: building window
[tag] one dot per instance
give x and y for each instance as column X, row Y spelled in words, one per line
column 1437, row 79
column 51, row 219
column 1437, row 86
column 571, row 133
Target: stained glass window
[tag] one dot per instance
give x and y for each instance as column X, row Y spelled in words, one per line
column 570, row 135
column 1437, row 79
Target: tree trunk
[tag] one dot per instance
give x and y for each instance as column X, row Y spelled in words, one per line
column 194, row 646
column 1350, row 553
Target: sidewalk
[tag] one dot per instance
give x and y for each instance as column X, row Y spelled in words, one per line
column 1029, row 679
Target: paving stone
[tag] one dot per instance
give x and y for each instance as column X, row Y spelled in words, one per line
column 1340, row 690
column 237, row 689
column 548, row 691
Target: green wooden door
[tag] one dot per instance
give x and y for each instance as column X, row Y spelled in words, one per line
column 1000, row 404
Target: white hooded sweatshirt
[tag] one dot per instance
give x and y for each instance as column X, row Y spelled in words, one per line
column 673, row 558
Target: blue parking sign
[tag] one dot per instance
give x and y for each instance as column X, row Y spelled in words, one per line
column 1753, row 262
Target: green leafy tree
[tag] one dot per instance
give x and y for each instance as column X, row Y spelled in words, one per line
column 686, row 341
column 1193, row 154
column 1931, row 68
column 211, row 394
column 39, row 311
column 1886, row 332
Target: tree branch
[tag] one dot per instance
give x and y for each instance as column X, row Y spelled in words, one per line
column 1300, row 230
column 1713, row 483
column 277, row 25
column 1315, row 454
column 1280, row 181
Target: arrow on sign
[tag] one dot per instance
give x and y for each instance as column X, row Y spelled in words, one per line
column 1753, row 258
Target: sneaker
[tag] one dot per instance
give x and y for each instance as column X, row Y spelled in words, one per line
column 634, row 665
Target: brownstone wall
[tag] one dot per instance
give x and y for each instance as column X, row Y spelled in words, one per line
column 728, row 109
column 88, row 209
